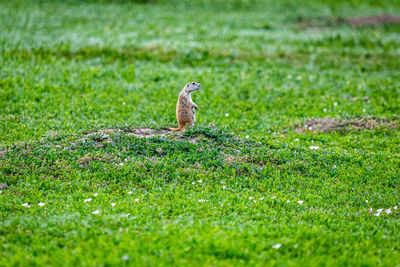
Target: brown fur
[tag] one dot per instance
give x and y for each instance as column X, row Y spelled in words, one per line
column 185, row 114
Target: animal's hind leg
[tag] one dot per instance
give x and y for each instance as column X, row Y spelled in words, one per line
column 182, row 127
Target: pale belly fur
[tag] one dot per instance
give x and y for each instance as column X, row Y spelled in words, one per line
column 193, row 115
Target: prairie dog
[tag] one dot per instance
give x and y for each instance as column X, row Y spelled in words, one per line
column 185, row 113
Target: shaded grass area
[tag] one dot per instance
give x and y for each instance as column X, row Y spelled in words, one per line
column 205, row 57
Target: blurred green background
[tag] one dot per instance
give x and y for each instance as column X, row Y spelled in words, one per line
column 70, row 66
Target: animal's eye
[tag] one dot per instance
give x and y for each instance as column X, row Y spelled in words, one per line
column 193, row 83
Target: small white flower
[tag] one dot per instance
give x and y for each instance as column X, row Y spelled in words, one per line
column 125, row 257
column 287, row 201
column 366, row 200
column 222, row 204
column 250, row 198
column 300, row 202
column 247, row 137
column 335, row 104
column 395, row 207
column 299, row 78
column 388, row 211
column 121, row 164
column 364, row 110
column 26, row 205
column 261, row 198
column 297, row 139
column 96, row 212
column 324, row 109
column 379, row 210
column 41, row 204
column 193, row 183
column 334, row 166
column 87, row 200
column 1, row 191
column 222, row 182
column 224, row 186
column 226, row 114
column 277, row 246
column 126, row 160
column 254, row 201
column 377, row 214
column 314, row 147
column 95, row 194
column 130, row 193
column 310, row 128
column 273, row 197
column 136, row 199
column 113, row 205
column 370, row 210
column 121, row 229
column 123, row 103
column 200, row 181
column 202, row 200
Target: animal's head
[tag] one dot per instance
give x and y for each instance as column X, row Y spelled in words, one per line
column 193, row 86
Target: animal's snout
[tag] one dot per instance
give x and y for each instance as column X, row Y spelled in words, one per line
column 193, row 86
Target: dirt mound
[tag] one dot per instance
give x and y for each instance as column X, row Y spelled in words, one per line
column 104, row 135
column 331, row 124
column 323, row 22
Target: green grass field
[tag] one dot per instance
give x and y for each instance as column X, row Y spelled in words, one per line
column 303, row 167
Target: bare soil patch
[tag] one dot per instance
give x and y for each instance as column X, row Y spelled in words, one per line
column 3, row 186
column 230, row 159
column 332, row 124
column 373, row 20
column 104, row 135
column 2, row 153
column 323, row 22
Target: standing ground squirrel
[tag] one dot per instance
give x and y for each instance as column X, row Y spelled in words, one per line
column 185, row 107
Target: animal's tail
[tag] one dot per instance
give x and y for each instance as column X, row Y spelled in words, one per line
column 174, row 129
